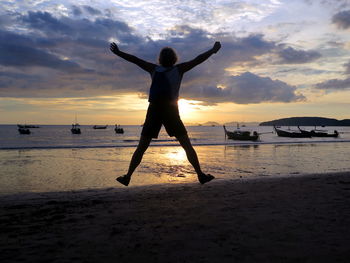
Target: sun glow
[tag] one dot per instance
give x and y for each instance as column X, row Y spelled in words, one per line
column 188, row 109
column 176, row 156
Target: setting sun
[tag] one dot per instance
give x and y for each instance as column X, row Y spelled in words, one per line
column 188, row 108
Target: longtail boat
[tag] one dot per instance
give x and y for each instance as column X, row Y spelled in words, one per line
column 320, row 133
column 75, row 127
column 26, row 126
column 99, row 127
column 23, row 131
column 241, row 135
column 118, row 129
column 291, row 134
column 315, row 133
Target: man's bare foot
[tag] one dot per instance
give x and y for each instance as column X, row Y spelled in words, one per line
column 204, row 178
column 125, row 179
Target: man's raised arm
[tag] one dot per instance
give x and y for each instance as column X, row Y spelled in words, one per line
column 147, row 66
column 186, row 66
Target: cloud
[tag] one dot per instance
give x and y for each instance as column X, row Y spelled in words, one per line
column 85, row 9
column 61, row 43
column 342, row 19
column 100, row 28
column 79, row 45
column 44, row 21
column 290, row 55
column 244, row 89
column 77, row 49
column 334, row 85
column 13, row 79
column 20, row 51
column 153, row 17
column 247, row 48
column 91, row 10
column 347, row 68
column 76, row 10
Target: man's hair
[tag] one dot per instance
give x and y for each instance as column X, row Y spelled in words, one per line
column 167, row 57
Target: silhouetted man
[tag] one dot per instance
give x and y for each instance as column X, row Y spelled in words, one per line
column 163, row 108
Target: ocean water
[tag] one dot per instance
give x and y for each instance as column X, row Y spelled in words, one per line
column 53, row 159
column 60, row 137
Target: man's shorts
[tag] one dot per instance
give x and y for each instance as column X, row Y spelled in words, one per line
column 163, row 114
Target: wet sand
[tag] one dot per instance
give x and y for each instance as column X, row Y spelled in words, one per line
column 286, row 219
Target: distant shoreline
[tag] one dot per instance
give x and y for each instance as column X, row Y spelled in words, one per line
column 307, row 121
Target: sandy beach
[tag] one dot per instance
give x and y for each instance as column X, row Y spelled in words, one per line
column 285, row 219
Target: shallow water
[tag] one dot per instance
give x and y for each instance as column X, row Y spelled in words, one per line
column 42, row 170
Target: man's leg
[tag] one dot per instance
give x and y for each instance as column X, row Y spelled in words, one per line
column 193, row 159
column 136, row 159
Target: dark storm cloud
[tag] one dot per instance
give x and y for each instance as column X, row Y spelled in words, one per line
column 247, row 88
column 342, row 19
column 290, row 55
column 76, row 44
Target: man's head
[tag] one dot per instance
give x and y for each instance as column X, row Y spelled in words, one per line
column 167, row 57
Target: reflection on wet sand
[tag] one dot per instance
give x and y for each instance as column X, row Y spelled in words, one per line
column 75, row 169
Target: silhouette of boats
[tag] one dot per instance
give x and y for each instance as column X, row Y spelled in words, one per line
column 241, row 135
column 291, row 133
column 118, row 129
column 319, row 133
column 315, row 133
column 75, row 128
column 100, row 127
column 25, row 126
column 23, row 131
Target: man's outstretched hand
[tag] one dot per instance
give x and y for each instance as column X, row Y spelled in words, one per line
column 216, row 46
column 114, row 48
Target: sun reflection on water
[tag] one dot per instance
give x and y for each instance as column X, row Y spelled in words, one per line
column 176, row 155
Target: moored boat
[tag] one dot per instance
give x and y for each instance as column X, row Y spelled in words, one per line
column 75, row 128
column 320, row 133
column 291, row 133
column 315, row 133
column 241, row 135
column 307, row 133
column 26, row 126
column 118, row 129
column 98, row 127
column 23, row 131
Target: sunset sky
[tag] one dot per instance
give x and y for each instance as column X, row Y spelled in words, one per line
column 279, row 59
